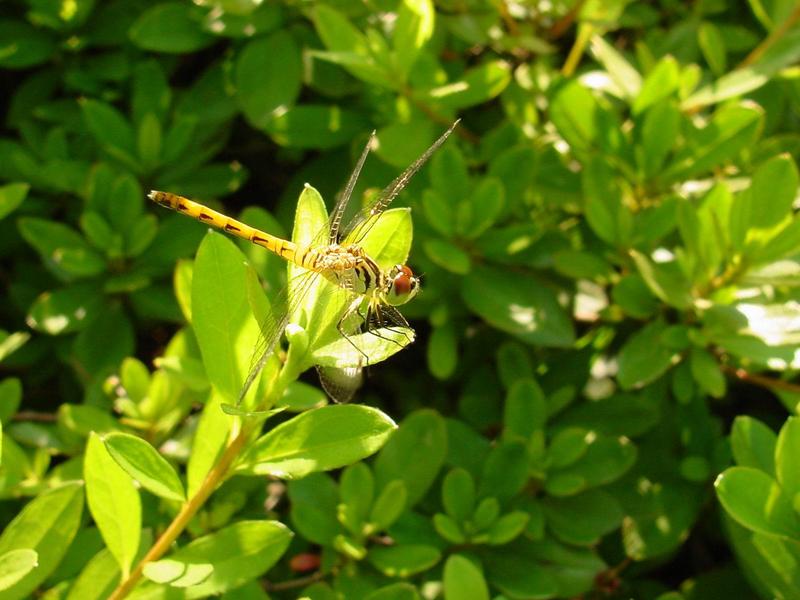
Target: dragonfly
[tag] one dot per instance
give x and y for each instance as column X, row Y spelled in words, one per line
column 371, row 293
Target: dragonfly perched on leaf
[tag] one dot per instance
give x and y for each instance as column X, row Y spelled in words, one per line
column 334, row 267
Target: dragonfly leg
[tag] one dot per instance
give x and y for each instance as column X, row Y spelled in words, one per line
column 375, row 322
column 352, row 309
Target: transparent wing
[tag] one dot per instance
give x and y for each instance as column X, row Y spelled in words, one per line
column 366, row 219
column 340, row 384
column 341, row 204
column 284, row 307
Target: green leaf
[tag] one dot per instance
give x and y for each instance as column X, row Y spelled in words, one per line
column 619, row 414
column 148, row 141
column 713, row 46
column 65, row 310
column 83, row 419
column 449, row 176
column 389, row 505
column 481, row 208
column 644, row 358
column 105, row 341
column 23, row 46
column 753, row 444
column 665, row 280
column 402, row 142
column 525, row 410
column 605, row 210
column 62, row 249
column 403, row 560
column 177, row 574
column 605, row 460
column 349, row 47
column 46, row 525
column 10, row 398
column 458, row 494
column 787, row 450
column 755, row 500
column 314, row 501
column 732, row 128
column 396, row 591
column 11, row 196
column 226, row 330
column 414, row 454
column 170, row 27
column 513, row 363
column 634, row 297
column 583, row 519
column 388, row 241
column 143, row 462
column 486, row 513
column 578, row 264
column 478, row 85
column 574, row 112
column 660, row 83
column 772, row 192
column 110, row 129
column 356, row 490
column 114, row 503
column 784, row 52
column 507, row 527
column 448, row 256
column 10, row 343
column 448, row 529
column 268, row 77
column 414, row 27
column 98, row 578
column 517, row 576
column 238, row 553
column 463, row 580
column 530, row 312
column 659, row 131
column 567, row 446
column 318, row 440
column 505, row 471
column 443, row 351
column 315, row 126
column 151, row 92
column 16, row 564
column 619, row 69
column 707, row 372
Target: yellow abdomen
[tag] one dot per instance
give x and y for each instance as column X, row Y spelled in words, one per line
column 283, row 248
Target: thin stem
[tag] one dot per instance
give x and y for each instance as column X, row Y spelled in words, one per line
column 767, row 382
column 564, row 23
column 509, row 21
column 214, row 477
column 773, row 37
column 32, row 415
column 460, row 131
column 585, row 32
column 294, row 583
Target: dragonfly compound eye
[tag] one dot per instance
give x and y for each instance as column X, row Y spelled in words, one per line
column 404, row 285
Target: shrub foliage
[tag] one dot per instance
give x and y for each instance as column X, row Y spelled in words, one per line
column 599, row 403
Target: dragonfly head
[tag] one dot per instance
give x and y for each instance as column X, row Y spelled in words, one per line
column 402, row 287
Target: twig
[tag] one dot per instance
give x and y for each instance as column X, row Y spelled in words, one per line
column 460, row 131
column 564, row 23
column 511, row 24
column 32, row 415
column 767, row 382
column 188, row 510
column 585, row 33
column 773, row 37
column 294, row 583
